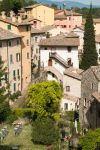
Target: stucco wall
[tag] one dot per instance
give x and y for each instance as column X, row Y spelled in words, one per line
column 75, row 86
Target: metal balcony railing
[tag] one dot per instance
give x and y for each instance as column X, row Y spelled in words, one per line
column 54, row 55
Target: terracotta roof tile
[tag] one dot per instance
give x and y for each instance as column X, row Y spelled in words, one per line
column 74, row 73
column 7, row 35
column 60, row 40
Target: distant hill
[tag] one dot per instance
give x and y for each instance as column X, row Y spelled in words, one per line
column 69, row 4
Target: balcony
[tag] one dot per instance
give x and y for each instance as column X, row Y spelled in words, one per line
column 54, row 55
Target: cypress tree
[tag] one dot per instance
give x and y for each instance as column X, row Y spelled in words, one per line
column 90, row 56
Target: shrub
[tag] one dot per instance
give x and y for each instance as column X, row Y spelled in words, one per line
column 89, row 141
column 15, row 95
column 11, row 118
column 4, row 111
column 45, row 131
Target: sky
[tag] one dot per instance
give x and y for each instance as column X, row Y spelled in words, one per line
column 95, row 2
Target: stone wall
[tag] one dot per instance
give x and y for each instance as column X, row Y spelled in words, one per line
column 88, row 86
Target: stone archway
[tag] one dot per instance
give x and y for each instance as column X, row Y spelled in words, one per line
column 55, row 72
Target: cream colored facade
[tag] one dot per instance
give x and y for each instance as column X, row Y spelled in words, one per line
column 41, row 12
column 97, row 28
column 23, row 30
column 10, row 52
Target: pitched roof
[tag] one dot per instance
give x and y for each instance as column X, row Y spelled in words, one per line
column 9, row 21
column 36, row 5
column 47, row 28
column 7, row 35
column 80, row 27
column 65, row 14
column 70, row 98
column 97, row 38
column 61, row 40
column 96, row 95
column 96, row 71
column 35, row 31
column 43, row 30
column 74, row 73
column 97, row 20
column 32, row 6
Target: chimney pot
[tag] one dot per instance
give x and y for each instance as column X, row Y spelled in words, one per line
column 3, row 14
column 19, row 19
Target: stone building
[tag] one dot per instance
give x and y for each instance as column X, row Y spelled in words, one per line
column 90, row 85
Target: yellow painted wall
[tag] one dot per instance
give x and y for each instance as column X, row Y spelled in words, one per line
column 97, row 28
column 26, row 63
column 43, row 13
column 5, row 53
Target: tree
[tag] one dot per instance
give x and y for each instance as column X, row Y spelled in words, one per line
column 53, row 5
column 89, row 141
column 4, row 94
column 89, row 57
column 45, row 131
column 45, row 99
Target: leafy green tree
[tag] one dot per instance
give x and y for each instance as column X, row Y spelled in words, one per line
column 15, row 5
column 45, row 98
column 45, row 131
column 90, row 56
column 4, row 94
column 53, row 5
column 88, row 142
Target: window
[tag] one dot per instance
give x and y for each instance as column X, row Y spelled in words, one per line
column 36, row 39
column 18, row 72
column 69, row 26
column 18, row 57
column 27, row 55
column 27, row 42
column 6, row 76
column 69, row 18
column 18, row 41
column 0, row 44
column 27, row 28
column 65, row 106
column 85, row 102
column 99, row 51
column 99, row 59
column 9, row 26
column 64, row 26
column 14, row 74
column 37, row 50
column 11, row 59
column 9, row 43
column 67, row 88
column 92, row 86
column 14, row 87
column 69, row 49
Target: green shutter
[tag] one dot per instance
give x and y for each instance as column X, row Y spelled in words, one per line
column 9, row 26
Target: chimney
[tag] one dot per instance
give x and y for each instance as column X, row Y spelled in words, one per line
column 14, row 19
column 12, row 14
column 19, row 19
column 3, row 14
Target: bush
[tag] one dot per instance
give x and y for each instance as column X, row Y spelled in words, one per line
column 15, row 95
column 11, row 118
column 4, row 111
column 45, row 131
column 70, row 115
column 89, row 141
